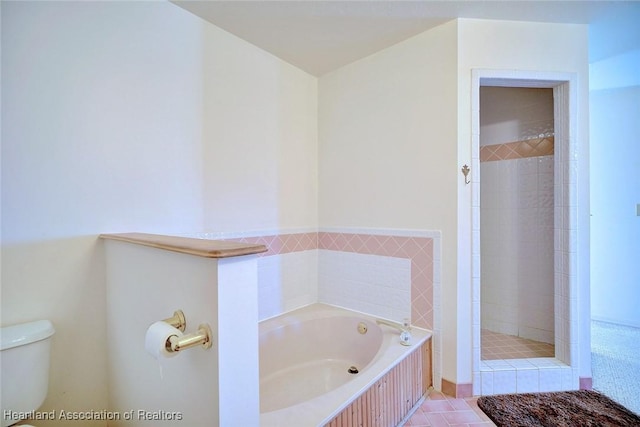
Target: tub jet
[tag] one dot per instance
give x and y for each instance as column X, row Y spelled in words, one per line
column 353, row 370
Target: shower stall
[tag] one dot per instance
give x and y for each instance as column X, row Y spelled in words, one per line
column 517, row 221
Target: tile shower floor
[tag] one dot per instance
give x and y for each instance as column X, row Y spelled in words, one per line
column 502, row 346
column 439, row 410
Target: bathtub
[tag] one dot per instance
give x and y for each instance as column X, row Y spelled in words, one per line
column 316, row 361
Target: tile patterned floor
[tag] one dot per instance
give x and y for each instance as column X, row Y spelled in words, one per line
column 502, row 346
column 439, row 410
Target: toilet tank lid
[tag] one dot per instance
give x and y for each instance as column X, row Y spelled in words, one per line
column 25, row 333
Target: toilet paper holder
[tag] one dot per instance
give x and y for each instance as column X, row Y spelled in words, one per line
column 178, row 320
column 202, row 337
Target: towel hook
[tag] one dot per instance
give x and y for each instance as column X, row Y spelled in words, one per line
column 465, row 172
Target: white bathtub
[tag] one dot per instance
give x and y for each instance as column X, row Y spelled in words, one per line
column 305, row 356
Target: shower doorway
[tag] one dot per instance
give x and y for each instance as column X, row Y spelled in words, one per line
column 533, row 373
column 516, row 222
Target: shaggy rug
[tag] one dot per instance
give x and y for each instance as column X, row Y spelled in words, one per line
column 583, row 408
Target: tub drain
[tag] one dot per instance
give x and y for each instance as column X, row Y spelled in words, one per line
column 353, row 370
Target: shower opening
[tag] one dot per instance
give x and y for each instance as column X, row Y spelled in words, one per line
column 515, row 373
column 517, row 222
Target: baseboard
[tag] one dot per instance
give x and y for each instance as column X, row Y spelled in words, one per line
column 615, row 322
column 462, row 390
column 586, row 383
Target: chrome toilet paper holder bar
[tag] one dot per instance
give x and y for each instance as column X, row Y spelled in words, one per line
column 202, row 337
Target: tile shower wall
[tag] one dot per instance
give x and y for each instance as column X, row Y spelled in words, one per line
column 517, row 239
column 286, row 282
column 374, row 284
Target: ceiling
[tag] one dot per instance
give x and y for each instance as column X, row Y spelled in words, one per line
column 320, row 36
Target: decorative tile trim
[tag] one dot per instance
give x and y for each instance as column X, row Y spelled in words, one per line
column 517, row 150
column 420, row 250
column 381, row 232
column 283, row 243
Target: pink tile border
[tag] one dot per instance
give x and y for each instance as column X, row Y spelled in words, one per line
column 283, row 243
column 518, row 149
column 418, row 249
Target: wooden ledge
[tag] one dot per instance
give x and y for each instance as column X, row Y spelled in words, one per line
column 187, row 245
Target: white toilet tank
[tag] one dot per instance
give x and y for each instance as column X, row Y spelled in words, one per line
column 24, row 367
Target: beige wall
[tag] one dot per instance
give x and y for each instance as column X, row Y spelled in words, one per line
column 386, row 127
column 387, row 137
column 134, row 117
column 260, row 150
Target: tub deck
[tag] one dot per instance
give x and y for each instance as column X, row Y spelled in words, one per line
column 322, row 409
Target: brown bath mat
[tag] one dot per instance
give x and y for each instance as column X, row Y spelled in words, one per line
column 583, row 408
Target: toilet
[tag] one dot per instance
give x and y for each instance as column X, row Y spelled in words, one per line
column 25, row 351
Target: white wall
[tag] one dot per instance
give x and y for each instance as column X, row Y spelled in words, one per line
column 615, row 187
column 108, row 125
